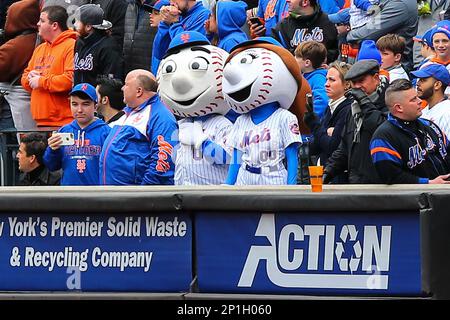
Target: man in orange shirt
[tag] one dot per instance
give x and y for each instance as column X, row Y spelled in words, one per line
column 48, row 76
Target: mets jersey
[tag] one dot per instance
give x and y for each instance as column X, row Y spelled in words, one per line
column 204, row 166
column 263, row 146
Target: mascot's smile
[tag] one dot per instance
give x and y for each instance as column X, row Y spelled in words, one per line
column 190, row 81
column 242, row 94
column 188, row 102
column 249, row 79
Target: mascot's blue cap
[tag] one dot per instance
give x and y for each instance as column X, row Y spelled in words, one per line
column 187, row 39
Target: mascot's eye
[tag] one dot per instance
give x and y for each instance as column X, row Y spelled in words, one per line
column 199, row 63
column 169, row 67
column 248, row 58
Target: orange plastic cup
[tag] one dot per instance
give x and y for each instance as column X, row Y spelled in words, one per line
column 315, row 176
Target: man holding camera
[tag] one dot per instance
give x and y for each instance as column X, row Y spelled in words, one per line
column 77, row 146
column 368, row 112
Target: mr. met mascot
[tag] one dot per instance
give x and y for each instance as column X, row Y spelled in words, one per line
column 190, row 84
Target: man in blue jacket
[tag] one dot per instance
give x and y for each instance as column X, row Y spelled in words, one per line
column 138, row 150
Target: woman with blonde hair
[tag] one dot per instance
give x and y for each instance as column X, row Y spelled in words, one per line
column 327, row 132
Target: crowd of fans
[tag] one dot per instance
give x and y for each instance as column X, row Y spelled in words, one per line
column 378, row 70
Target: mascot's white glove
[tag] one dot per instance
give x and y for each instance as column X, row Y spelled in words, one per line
column 191, row 133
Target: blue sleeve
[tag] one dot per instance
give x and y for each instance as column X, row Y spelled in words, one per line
column 214, row 153
column 53, row 158
column 284, row 12
column 106, row 131
column 291, row 153
column 160, row 130
column 234, row 167
column 362, row 4
column 261, row 8
column 320, row 98
column 195, row 24
column 162, row 41
column 329, row 6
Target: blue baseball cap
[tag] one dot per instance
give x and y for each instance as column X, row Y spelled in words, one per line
column 426, row 38
column 187, row 39
column 435, row 70
column 342, row 16
column 155, row 5
column 87, row 89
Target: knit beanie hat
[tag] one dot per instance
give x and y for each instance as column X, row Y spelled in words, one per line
column 369, row 50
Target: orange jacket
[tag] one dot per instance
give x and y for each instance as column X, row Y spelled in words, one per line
column 50, row 103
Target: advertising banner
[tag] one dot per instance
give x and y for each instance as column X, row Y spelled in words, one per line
column 355, row 253
column 94, row 252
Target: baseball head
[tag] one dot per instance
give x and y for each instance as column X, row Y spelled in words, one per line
column 190, row 81
column 257, row 76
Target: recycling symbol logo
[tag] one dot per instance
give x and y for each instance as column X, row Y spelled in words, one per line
column 348, row 232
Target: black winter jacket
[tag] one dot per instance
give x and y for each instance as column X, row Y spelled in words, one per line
column 138, row 38
column 355, row 156
column 40, row 176
column 323, row 144
column 291, row 31
column 410, row 152
column 95, row 55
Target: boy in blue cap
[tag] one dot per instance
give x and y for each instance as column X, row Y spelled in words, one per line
column 78, row 157
column 441, row 42
column 426, row 46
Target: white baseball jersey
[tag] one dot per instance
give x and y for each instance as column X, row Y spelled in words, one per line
column 439, row 114
column 191, row 166
column 263, row 146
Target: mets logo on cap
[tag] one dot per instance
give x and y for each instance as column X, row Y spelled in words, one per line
column 84, row 87
column 185, row 37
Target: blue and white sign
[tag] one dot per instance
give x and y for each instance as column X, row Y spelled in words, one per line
column 309, row 253
column 92, row 252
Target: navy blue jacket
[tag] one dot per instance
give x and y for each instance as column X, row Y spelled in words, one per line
column 324, row 145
